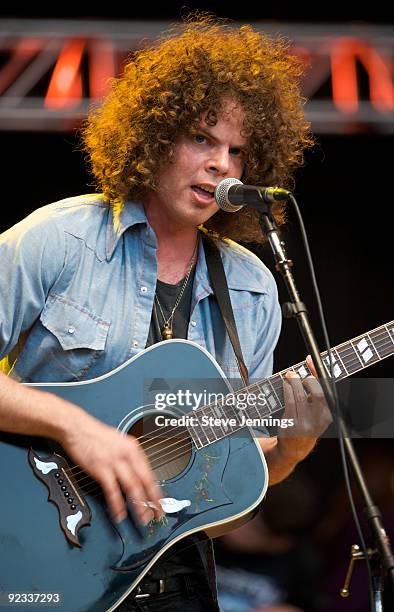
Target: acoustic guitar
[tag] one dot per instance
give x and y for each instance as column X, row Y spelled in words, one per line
column 58, row 545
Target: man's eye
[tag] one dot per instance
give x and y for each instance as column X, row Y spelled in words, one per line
column 236, row 152
column 199, row 138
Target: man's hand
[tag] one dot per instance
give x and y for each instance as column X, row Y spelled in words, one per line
column 119, row 465
column 306, row 405
column 116, row 461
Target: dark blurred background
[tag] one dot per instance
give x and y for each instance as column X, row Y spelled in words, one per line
column 345, row 194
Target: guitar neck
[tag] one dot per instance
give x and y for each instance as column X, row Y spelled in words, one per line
column 348, row 358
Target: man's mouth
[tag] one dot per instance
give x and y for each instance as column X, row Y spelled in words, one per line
column 205, row 192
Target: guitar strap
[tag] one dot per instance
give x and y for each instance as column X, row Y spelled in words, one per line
column 218, row 280
column 217, row 276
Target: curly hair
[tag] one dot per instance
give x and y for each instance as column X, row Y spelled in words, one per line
column 166, row 88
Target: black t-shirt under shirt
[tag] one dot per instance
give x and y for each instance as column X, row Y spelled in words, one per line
column 184, row 556
column 167, row 295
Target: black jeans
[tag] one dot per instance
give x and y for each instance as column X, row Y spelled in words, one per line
column 194, row 598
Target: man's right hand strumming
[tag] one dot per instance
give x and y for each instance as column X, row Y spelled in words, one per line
column 116, row 461
column 119, row 465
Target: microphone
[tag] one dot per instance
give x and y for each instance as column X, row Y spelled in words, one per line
column 232, row 195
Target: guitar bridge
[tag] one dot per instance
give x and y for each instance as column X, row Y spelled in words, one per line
column 55, row 473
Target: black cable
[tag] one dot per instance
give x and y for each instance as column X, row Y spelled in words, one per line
column 335, row 395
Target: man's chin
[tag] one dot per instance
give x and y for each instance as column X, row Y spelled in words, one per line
column 202, row 215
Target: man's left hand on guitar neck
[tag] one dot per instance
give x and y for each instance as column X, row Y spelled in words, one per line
column 305, row 404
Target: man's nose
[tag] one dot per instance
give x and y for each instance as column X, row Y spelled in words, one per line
column 219, row 161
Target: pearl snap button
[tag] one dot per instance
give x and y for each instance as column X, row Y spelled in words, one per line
column 71, row 330
column 135, row 343
column 144, row 289
column 194, row 323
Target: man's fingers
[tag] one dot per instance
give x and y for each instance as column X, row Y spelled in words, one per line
column 152, row 490
column 132, row 488
column 114, row 497
column 288, row 396
column 310, row 365
column 145, row 473
column 139, row 484
column 306, row 404
column 297, row 388
column 317, row 398
column 314, row 388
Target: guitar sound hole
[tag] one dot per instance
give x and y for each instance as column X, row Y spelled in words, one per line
column 167, row 448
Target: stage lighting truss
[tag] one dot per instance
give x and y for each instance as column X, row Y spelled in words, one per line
column 51, row 71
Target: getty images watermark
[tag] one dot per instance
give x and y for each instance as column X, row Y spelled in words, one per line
column 217, row 402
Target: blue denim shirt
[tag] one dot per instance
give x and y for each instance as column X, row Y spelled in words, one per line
column 78, row 279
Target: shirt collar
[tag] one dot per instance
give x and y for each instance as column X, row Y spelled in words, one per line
column 243, row 270
column 202, row 283
column 244, row 275
column 122, row 216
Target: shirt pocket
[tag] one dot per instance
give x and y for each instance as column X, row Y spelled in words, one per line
column 64, row 343
column 75, row 327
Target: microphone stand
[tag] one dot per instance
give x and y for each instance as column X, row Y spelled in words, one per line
column 381, row 553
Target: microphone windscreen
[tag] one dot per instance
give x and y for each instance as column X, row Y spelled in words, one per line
column 221, row 195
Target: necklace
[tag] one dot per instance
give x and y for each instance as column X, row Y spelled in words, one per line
column 166, row 330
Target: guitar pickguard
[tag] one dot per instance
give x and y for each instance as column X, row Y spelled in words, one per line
column 196, row 493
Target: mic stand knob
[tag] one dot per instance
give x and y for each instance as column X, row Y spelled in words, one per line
column 355, row 555
column 377, row 576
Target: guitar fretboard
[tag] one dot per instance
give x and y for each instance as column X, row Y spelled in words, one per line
column 265, row 397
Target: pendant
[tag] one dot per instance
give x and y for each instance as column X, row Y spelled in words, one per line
column 166, row 332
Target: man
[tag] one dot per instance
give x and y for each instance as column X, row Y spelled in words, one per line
column 90, row 281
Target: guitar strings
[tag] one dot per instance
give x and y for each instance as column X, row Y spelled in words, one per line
column 97, row 488
column 170, row 456
column 152, row 435
column 257, row 386
column 151, row 456
column 355, row 359
column 196, row 413
column 161, row 455
column 146, row 445
column 254, row 386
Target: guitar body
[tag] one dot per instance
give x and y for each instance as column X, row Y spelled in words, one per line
column 207, row 489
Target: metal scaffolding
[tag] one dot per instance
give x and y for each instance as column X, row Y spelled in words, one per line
column 52, row 71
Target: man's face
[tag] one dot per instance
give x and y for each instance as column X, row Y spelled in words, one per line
column 200, row 160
